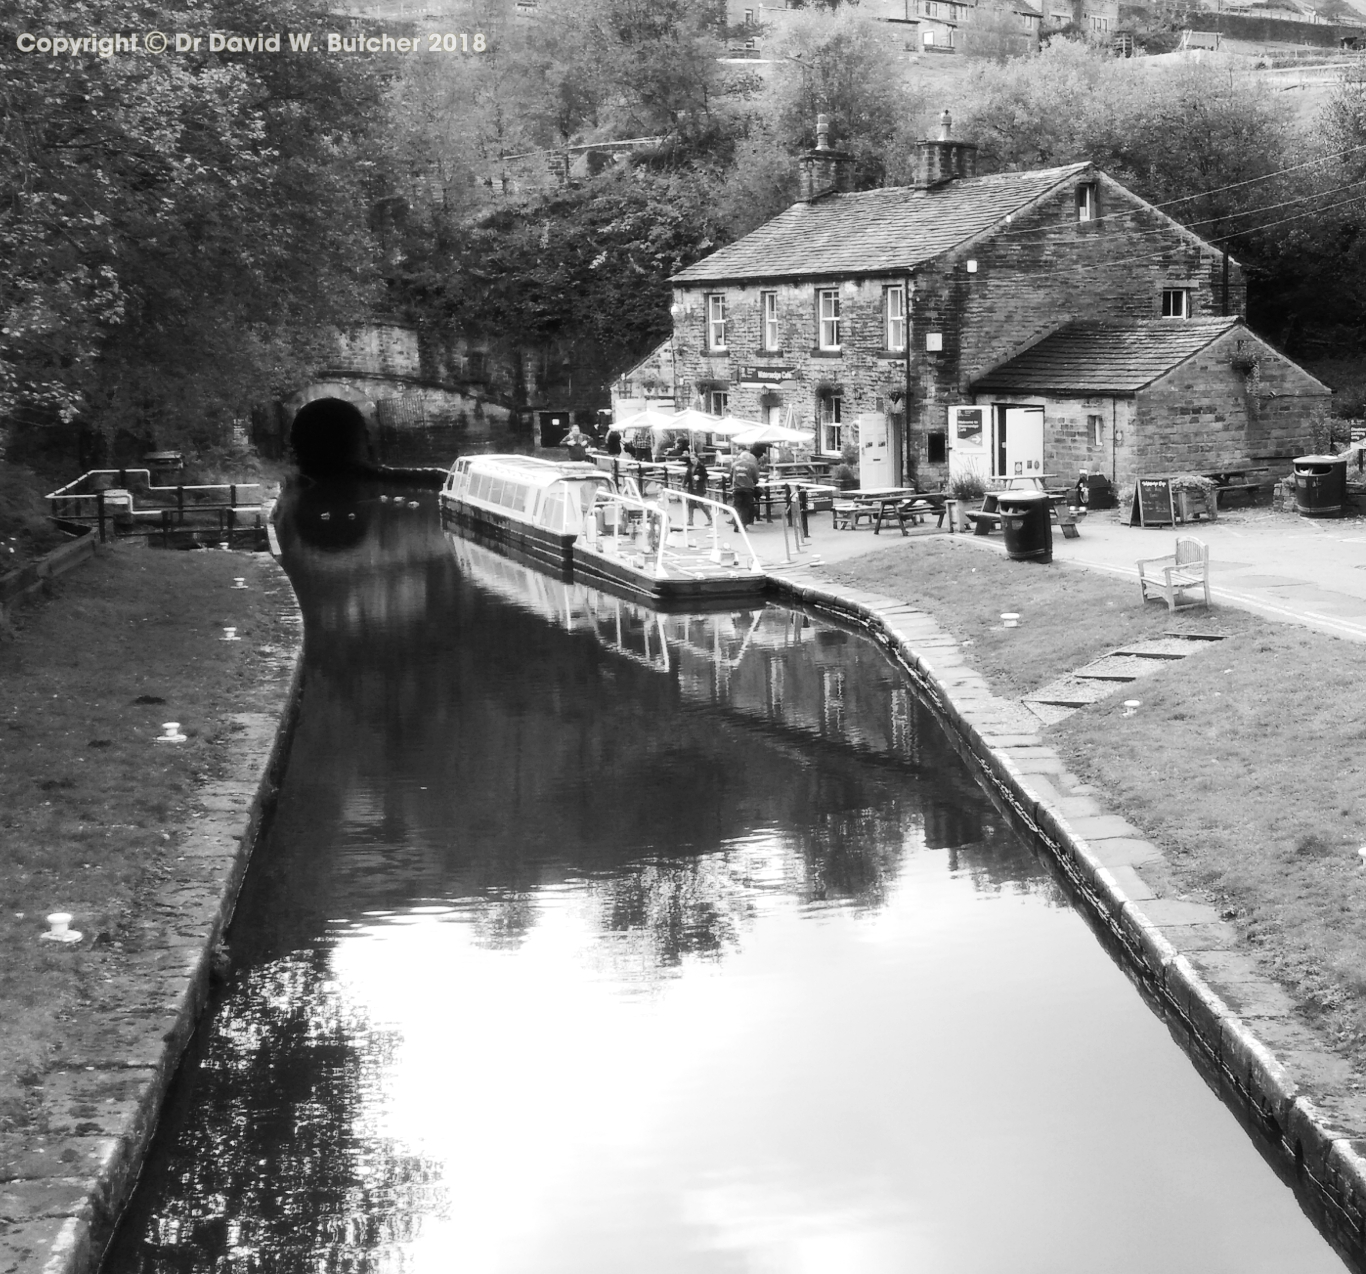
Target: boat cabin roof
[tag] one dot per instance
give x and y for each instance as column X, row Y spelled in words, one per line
column 531, row 471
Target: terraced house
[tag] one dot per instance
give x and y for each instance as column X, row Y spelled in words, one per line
column 874, row 317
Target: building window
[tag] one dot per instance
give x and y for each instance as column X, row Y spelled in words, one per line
column 931, row 9
column 832, row 428
column 749, row 17
column 716, row 321
column 715, row 402
column 895, row 310
column 929, row 37
column 1176, row 303
column 1086, row 201
column 768, row 321
column 1095, row 431
column 828, row 308
column 936, row 447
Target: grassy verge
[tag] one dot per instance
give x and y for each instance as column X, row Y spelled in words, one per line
column 1067, row 616
column 1246, row 762
column 89, row 805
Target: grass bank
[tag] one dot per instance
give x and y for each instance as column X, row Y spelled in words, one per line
column 90, row 807
column 1246, row 763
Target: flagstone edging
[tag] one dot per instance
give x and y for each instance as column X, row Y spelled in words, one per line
column 1288, row 1094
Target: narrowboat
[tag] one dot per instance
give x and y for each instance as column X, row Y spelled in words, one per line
column 532, row 505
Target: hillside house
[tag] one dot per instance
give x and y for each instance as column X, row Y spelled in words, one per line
column 867, row 316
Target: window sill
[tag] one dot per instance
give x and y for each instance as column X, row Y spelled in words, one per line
column 768, row 353
column 827, row 353
column 898, row 354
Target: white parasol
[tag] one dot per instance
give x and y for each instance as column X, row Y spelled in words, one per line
column 764, row 434
column 650, row 419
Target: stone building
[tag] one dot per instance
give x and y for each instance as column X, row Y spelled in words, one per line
column 1145, row 397
column 867, row 316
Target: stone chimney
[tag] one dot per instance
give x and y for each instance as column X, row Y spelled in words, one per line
column 824, row 171
column 941, row 159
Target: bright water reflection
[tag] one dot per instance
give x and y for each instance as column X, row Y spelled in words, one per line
column 590, row 940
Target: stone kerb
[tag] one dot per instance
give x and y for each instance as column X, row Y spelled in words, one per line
column 1296, row 1093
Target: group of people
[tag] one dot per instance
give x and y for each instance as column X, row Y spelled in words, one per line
column 744, row 470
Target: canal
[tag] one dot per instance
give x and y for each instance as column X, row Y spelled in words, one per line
column 587, row 939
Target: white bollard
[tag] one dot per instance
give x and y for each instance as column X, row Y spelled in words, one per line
column 58, row 930
column 172, row 734
column 230, row 634
column 239, row 581
column 1010, row 619
column 1131, row 706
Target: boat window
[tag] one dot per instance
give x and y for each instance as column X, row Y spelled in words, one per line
column 552, row 511
column 481, row 486
column 495, row 494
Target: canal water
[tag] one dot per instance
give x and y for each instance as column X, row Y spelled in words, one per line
column 588, row 939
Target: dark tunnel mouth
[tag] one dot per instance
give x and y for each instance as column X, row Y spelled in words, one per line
column 329, row 436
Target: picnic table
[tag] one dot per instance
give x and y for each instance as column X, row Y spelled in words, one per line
column 886, row 504
column 786, row 489
column 1238, row 478
column 988, row 517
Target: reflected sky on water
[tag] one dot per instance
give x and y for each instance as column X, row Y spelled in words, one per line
column 589, row 939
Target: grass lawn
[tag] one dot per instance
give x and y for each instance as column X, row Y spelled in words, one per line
column 89, row 805
column 1246, row 762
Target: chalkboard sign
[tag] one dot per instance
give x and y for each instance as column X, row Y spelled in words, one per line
column 1153, row 504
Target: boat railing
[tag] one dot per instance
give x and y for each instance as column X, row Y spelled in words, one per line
column 660, row 527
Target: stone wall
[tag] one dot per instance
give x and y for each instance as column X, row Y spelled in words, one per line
column 380, row 349
column 1208, row 412
column 1043, row 270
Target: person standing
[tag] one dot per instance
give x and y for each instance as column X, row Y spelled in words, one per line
column 695, row 483
column 577, row 443
column 744, row 478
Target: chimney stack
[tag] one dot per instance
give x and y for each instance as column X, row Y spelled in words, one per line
column 823, row 171
column 940, row 160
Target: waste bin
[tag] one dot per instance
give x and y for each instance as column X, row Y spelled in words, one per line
column 1026, row 526
column 1320, row 486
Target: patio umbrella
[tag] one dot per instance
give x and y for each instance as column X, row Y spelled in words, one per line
column 721, row 426
column 647, row 419
column 771, row 434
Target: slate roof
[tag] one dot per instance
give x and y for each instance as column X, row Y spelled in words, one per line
column 1086, row 358
column 874, row 231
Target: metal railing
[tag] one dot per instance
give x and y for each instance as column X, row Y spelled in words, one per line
column 124, row 502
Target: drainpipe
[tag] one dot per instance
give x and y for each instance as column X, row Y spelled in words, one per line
column 1114, row 441
column 906, row 425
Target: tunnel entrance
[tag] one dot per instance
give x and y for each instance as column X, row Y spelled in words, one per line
column 329, row 436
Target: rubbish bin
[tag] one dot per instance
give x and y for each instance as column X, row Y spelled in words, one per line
column 1025, row 523
column 1320, row 486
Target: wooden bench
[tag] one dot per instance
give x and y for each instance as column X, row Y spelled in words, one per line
column 984, row 522
column 1168, row 577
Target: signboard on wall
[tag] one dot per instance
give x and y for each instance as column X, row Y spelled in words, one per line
column 753, row 376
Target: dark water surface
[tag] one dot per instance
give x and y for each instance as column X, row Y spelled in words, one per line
column 586, row 939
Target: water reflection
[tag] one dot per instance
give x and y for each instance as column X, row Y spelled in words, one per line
column 591, row 939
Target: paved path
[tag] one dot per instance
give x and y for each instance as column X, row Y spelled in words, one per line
column 1310, row 571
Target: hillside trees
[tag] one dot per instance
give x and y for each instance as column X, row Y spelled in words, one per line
column 179, row 231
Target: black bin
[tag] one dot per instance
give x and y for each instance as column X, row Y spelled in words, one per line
column 1026, row 526
column 1320, row 486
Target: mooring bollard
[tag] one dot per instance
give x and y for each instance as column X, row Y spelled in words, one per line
column 1010, row 619
column 239, row 581
column 172, row 735
column 58, row 930
column 229, row 634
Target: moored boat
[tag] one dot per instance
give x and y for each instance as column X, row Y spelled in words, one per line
column 648, row 548
column 536, row 506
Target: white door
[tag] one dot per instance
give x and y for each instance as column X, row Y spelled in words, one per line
column 876, row 463
column 1018, row 452
column 968, row 443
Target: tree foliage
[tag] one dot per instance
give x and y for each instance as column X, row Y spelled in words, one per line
column 179, row 230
